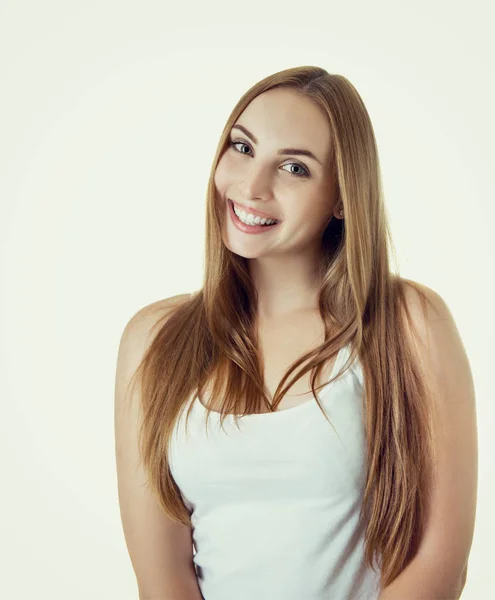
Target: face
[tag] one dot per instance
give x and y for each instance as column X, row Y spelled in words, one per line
column 295, row 188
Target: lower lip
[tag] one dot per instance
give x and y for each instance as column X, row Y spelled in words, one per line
column 249, row 228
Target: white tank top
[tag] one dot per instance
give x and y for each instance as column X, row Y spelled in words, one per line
column 275, row 505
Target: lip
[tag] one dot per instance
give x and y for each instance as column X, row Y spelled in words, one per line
column 253, row 211
column 249, row 229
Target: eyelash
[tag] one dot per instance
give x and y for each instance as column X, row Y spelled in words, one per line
column 306, row 172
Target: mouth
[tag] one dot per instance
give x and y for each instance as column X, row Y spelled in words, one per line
column 250, row 224
column 255, row 216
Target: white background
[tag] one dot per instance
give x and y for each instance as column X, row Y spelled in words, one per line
column 110, row 113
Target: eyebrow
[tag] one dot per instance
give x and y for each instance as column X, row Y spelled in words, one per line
column 295, row 151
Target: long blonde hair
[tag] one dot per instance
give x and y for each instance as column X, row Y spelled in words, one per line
column 210, row 337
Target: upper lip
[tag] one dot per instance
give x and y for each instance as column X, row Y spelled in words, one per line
column 253, row 211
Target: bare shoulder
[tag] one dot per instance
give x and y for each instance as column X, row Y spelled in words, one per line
column 160, row 307
column 142, row 324
column 425, row 305
column 433, row 329
column 138, row 334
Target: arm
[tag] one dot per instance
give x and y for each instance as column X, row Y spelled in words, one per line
column 439, row 569
column 161, row 550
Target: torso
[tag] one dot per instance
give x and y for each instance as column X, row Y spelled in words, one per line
column 281, row 342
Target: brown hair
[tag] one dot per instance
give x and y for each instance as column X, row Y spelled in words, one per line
column 210, row 337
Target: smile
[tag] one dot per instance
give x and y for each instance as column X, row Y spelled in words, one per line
column 253, row 217
column 249, row 222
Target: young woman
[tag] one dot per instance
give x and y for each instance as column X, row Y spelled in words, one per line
column 342, row 458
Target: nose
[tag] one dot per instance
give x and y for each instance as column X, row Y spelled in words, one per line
column 256, row 184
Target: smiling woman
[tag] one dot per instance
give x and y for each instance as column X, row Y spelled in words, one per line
column 354, row 474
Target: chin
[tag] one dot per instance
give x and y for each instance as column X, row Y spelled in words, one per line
column 243, row 252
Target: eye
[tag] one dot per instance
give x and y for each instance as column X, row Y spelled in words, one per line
column 305, row 172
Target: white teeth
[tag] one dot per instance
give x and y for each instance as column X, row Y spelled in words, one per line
column 250, row 219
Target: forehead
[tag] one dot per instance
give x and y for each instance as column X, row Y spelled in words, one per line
column 282, row 117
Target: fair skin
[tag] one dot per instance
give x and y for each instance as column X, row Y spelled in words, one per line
column 283, row 261
column 439, row 570
column 163, row 560
column 282, row 266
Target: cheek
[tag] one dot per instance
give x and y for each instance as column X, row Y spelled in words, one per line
column 314, row 216
column 222, row 183
column 217, row 177
column 221, row 177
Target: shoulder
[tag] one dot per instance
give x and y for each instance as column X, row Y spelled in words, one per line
column 415, row 293
column 426, row 307
column 137, row 336
column 143, row 323
column 433, row 330
column 160, row 307
column 151, row 312
column 440, row 348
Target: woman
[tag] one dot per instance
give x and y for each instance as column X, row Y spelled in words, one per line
column 343, row 459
